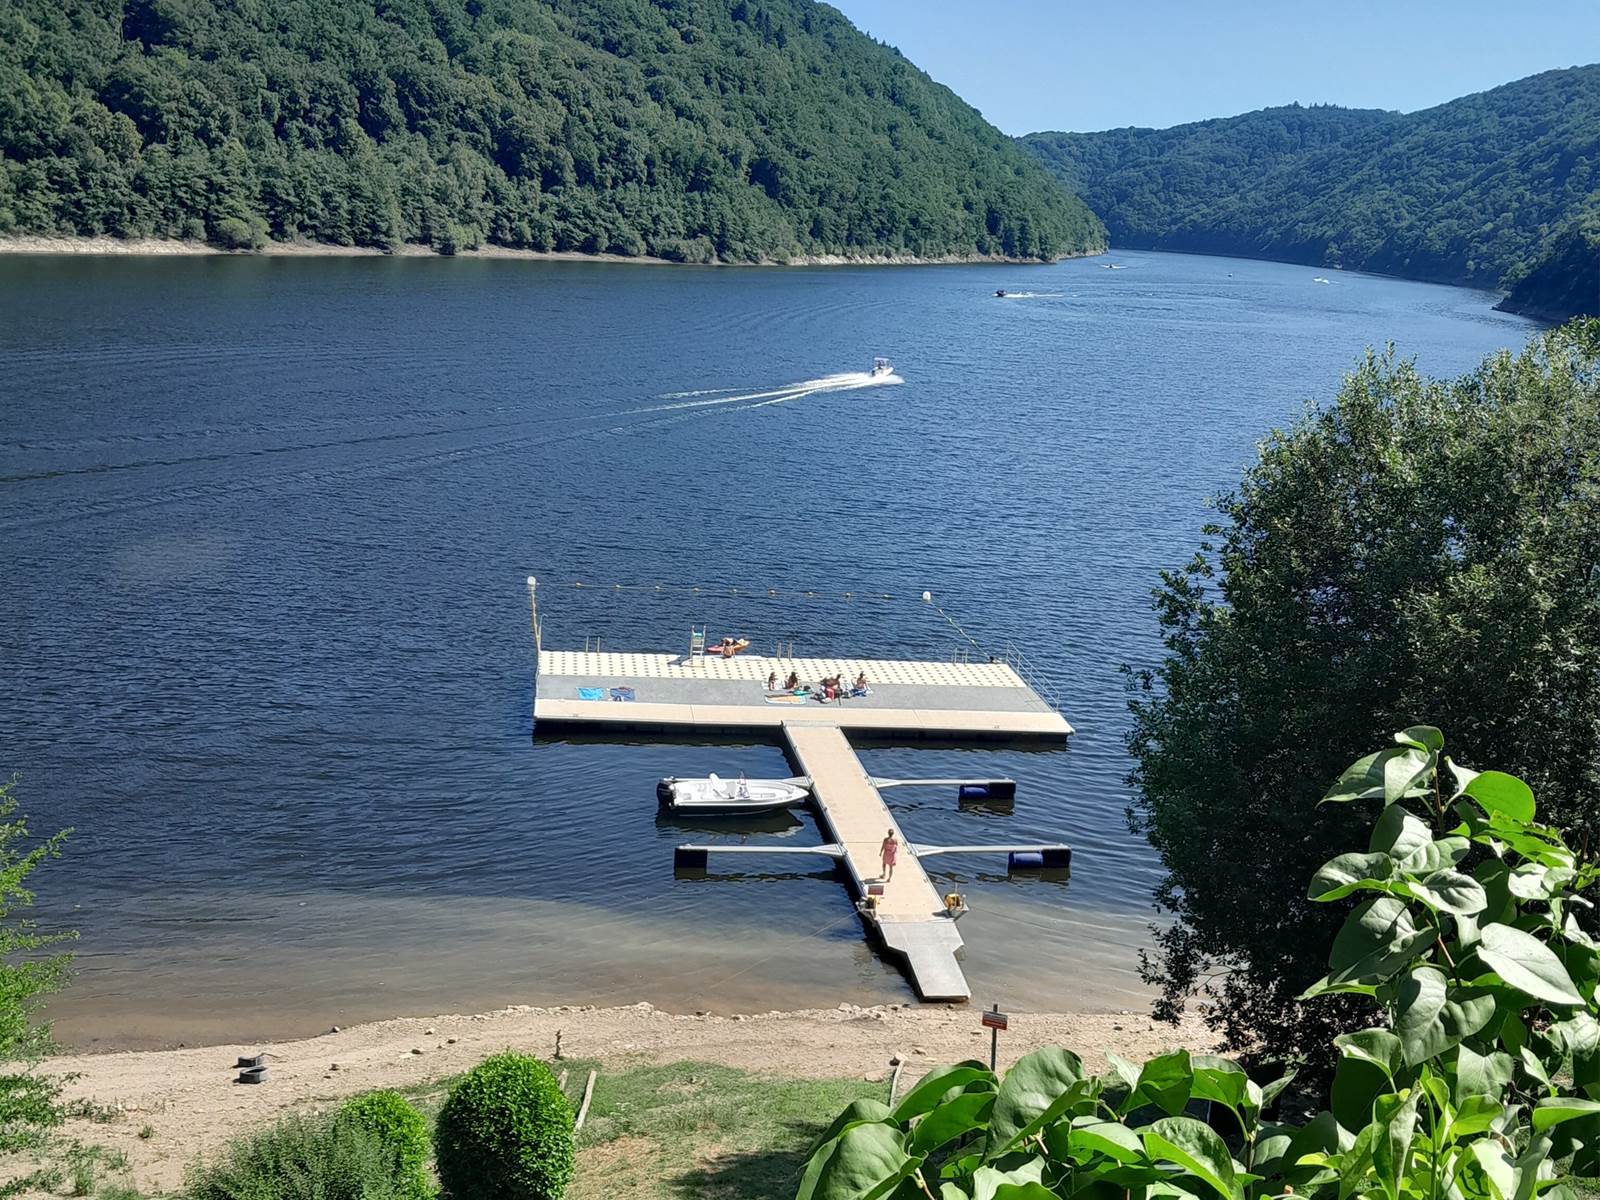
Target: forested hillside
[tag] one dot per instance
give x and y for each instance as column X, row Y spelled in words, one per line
column 1469, row 192
column 689, row 129
column 1565, row 281
column 1145, row 182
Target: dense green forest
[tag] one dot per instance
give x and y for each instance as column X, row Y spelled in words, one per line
column 689, row 129
column 1565, row 281
column 1477, row 191
column 1146, row 182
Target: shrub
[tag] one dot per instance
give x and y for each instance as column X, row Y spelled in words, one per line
column 301, row 1159
column 505, row 1133
column 231, row 233
column 1480, row 1082
column 398, row 1128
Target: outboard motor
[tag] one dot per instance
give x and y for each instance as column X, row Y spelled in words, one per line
column 666, row 793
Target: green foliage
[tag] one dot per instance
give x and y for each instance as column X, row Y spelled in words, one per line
column 399, row 1128
column 505, row 1133
column 1565, row 280
column 743, row 132
column 1487, row 990
column 1418, row 546
column 302, row 1158
column 1466, row 192
column 30, row 1102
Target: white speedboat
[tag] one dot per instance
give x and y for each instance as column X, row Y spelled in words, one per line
column 740, row 795
column 881, row 367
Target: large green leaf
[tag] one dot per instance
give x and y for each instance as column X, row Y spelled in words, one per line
column 987, row 1181
column 855, row 1113
column 1378, row 938
column 1452, row 892
column 1038, row 1089
column 1340, row 876
column 1165, row 1081
column 1389, row 774
column 1497, row 792
column 1024, row 1191
column 1196, row 1148
column 1110, row 1138
column 1431, row 1016
column 1357, row 1084
column 1434, row 856
column 1527, row 964
column 865, row 1162
column 1482, row 1074
column 963, row 1114
column 1397, row 833
column 934, row 1085
column 1377, row 1046
column 1580, row 1036
column 1423, row 737
column 1225, row 1082
column 1553, row 1110
column 1392, row 1147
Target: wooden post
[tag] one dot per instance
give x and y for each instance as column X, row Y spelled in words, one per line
column 588, row 1095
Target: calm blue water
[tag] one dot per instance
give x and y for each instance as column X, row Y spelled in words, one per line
column 266, row 641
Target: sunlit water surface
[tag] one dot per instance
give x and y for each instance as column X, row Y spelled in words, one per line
column 266, row 644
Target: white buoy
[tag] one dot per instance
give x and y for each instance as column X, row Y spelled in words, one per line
column 927, row 597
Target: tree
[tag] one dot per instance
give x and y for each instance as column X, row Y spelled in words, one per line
column 1418, row 547
column 29, row 1101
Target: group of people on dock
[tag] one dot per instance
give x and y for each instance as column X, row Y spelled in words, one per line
column 831, row 687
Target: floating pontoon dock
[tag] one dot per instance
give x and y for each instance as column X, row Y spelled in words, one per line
column 703, row 694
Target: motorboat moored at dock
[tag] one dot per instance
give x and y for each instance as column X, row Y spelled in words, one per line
column 715, row 795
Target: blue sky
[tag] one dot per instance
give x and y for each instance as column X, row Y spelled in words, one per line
column 1066, row 64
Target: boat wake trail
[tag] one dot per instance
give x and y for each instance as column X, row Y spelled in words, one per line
column 848, row 381
column 1032, row 296
column 696, row 392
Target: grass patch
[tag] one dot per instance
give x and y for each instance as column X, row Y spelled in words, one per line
column 689, row 1131
column 707, row 1132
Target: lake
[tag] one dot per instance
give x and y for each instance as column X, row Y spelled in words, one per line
column 266, row 644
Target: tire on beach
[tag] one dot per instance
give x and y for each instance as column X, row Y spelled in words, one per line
column 505, row 1133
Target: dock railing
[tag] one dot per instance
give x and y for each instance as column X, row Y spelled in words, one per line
column 1031, row 675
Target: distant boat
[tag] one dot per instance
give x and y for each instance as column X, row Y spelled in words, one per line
column 716, row 795
column 1001, row 292
column 881, row 367
column 1320, row 279
column 1112, row 266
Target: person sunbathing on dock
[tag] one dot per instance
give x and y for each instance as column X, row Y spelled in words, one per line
column 861, row 688
column 793, row 682
column 772, row 681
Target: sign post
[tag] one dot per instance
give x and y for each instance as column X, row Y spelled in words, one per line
column 994, row 1021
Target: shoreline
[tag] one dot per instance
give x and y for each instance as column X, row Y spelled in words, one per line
column 106, row 246
column 164, row 1108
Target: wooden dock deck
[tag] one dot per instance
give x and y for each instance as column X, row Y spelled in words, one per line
column 910, row 913
column 671, row 692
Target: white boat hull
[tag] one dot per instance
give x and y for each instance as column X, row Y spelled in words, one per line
column 729, row 796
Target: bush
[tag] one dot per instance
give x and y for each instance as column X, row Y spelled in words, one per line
column 399, row 1129
column 301, row 1159
column 231, row 233
column 505, row 1133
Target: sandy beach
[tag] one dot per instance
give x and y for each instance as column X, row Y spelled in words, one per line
column 187, row 1103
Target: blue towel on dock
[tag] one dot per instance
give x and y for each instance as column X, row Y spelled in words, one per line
column 622, row 693
column 591, row 693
